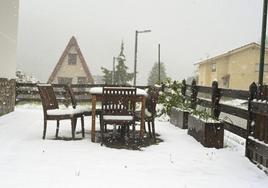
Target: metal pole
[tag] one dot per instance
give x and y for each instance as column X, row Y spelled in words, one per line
column 135, row 57
column 263, row 37
column 159, row 79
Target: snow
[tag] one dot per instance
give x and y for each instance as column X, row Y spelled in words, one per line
column 98, row 90
column 44, row 84
column 206, row 120
column 239, row 103
column 256, row 140
column 120, row 118
column 66, row 111
column 179, row 161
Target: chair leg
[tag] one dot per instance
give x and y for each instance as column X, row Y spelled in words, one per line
column 73, row 122
column 133, row 131
column 149, row 129
column 153, row 129
column 82, row 126
column 145, row 129
column 102, row 135
column 57, row 129
column 45, row 129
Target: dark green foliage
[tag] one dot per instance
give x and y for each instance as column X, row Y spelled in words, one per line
column 121, row 76
column 107, row 78
column 171, row 97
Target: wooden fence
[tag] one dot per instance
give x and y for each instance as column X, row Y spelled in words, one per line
column 28, row 92
column 254, row 111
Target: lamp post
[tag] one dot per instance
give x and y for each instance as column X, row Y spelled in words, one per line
column 263, row 36
column 135, row 54
column 159, row 78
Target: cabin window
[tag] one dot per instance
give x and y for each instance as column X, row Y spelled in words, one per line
column 81, row 80
column 65, row 80
column 213, row 67
column 72, row 58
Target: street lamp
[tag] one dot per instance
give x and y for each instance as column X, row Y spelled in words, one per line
column 263, row 35
column 136, row 49
column 159, row 78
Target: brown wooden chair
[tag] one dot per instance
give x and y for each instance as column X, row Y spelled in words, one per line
column 85, row 110
column 51, row 110
column 118, row 107
column 150, row 110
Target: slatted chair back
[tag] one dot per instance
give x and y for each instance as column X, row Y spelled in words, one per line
column 48, row 97
column 71, row 94
column 152, row 99
column 118, row 101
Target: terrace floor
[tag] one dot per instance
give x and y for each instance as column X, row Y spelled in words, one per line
column 179, row 161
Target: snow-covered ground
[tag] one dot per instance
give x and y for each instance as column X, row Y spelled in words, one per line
column 28, row 161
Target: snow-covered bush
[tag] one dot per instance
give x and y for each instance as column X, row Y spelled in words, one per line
column 171, row 97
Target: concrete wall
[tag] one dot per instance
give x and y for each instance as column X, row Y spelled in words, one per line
column 8, row 37
column 240, row 66
column 8, row 48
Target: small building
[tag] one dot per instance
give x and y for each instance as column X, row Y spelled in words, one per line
column 71, row 67
column 236, row 69
column 8, row 51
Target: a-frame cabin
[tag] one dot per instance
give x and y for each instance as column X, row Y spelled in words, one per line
column 71, row 67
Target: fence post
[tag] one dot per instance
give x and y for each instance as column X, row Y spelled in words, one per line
column 215, row 99
column 194, row 93
column 183, row 89
column 252, row 95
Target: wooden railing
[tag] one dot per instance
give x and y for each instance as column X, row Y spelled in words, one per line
column 192, row 92
column 255, row 112
column 28, row 92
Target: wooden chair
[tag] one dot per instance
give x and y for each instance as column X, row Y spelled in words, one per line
column 85, row 110
column 118, row 107
column 150, row 110
column 51, row 110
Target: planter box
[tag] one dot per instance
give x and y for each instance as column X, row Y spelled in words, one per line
column 257, row 151
column 179, row 118
column 209, row 134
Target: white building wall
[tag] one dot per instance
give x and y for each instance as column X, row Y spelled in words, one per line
column 8, row 37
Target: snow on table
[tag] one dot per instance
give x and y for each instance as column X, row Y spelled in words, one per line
column 179, row 162
column 98, row 90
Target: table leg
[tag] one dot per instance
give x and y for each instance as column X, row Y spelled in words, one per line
column 93, row 123
column 142, row 117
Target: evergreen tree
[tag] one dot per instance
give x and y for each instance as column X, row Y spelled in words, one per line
column 153, row 78
column 121, row 77
column 107, row 78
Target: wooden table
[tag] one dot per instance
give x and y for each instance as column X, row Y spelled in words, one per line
column 96, row 93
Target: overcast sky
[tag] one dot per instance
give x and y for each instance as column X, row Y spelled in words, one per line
column 188, row 31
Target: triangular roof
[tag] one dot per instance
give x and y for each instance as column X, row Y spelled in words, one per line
column 72, row 42
column 241, row 48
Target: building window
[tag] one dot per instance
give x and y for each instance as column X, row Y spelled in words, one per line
column 65, row 80
column 81, row 80
column 226, row 80
column 72, row 58
column 213, row 67
column 265, row 69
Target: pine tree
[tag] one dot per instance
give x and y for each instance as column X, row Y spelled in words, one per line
column 153, row 78
column 107, row 78
column 121, row 77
